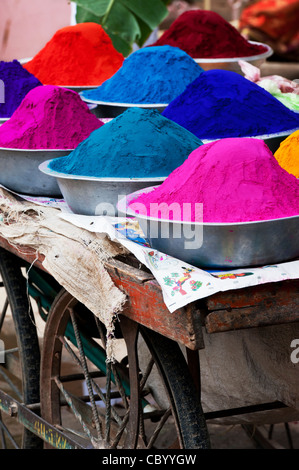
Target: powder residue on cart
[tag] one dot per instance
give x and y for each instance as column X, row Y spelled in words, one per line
column 235, row 180
column 287, row 154
column 152, row 75
column 77, row 55
column 139, row 143
column 16, row 82
column 220, row 104
column 205, row 34
column 49, row 117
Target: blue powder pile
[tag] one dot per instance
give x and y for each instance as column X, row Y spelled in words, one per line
column 220, row 104
column 152, row 75
column 17, row 83
column 139, row 143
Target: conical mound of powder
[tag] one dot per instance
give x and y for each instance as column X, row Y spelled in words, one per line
column 152, row 75
column 49, row 117
column 236, row 180
column 287, row 154
column 79, row 55
column 139, row 143
column 205, row 34
column 220, row 104
column 17, row 82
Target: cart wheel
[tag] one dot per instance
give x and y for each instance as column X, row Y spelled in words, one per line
column 109, row 405
column 19, row 374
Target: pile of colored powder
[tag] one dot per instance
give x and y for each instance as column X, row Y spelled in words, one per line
column 287, row 154
column 79, row 55
column 236, row 180
column 49, row 117
column 205, row 34
column 139, row 143
column 220, row 104
column 17, row 83
column 149, row 75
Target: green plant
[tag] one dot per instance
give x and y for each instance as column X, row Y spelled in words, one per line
column 125, row 21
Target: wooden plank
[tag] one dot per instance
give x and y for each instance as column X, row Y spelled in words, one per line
column 26, row 253
column 120, row 269
column 266, row 294
column 145, row 305
column 254, row 316
column 262, row 305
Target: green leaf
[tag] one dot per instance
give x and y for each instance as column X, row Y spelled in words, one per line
column 125, row 21
column 149, row 12
column 95, row 7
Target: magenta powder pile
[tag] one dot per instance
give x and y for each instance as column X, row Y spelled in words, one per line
column 236, row 180
column 49, row 117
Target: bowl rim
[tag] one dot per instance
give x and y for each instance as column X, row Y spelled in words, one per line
column 263, row 55
column 263, row 137
column 123, row 207
column 124, row 105
column 44, row 168
column 35, row 150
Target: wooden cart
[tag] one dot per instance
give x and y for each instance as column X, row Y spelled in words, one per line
column 95, row 403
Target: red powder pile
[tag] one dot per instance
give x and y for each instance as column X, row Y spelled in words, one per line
column 205, row 34
column 79, row 55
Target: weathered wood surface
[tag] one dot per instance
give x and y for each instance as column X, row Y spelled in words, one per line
column 262, row 305
column 145, row 305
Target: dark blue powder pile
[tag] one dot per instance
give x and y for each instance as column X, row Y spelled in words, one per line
column 220, row 104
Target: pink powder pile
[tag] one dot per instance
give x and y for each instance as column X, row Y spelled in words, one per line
column 236, row 180
column 49, row 117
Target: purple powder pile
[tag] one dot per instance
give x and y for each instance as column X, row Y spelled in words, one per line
column 16, row 83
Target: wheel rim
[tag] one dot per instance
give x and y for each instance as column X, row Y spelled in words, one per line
column 109, row 414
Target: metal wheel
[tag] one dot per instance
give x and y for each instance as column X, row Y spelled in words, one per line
column 109, row 405
column 19, row 370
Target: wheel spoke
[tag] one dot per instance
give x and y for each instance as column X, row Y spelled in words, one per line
column 138, row 419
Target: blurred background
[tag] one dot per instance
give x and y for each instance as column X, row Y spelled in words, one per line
column 26, row 26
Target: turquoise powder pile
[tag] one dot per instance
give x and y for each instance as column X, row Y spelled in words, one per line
column 139, row 143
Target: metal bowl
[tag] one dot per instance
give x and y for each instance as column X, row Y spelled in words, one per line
column 220, row 245
column 273, row 141
column 79, row 89
column 105, row 109
column 19, row 171
column 95, row 196
column 232, row 62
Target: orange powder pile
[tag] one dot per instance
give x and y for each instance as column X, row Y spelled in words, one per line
column 79, row 55
column 287, row 154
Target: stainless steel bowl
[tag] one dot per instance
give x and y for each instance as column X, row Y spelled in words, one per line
column 19, row 171
column 106, row 109
column 273, row 141
column 78, row 89
column 95, row 196
column 232, row 63
column 220, row 245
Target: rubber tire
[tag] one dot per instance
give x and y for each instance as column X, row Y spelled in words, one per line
column 26, row 336
column 172, row 366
